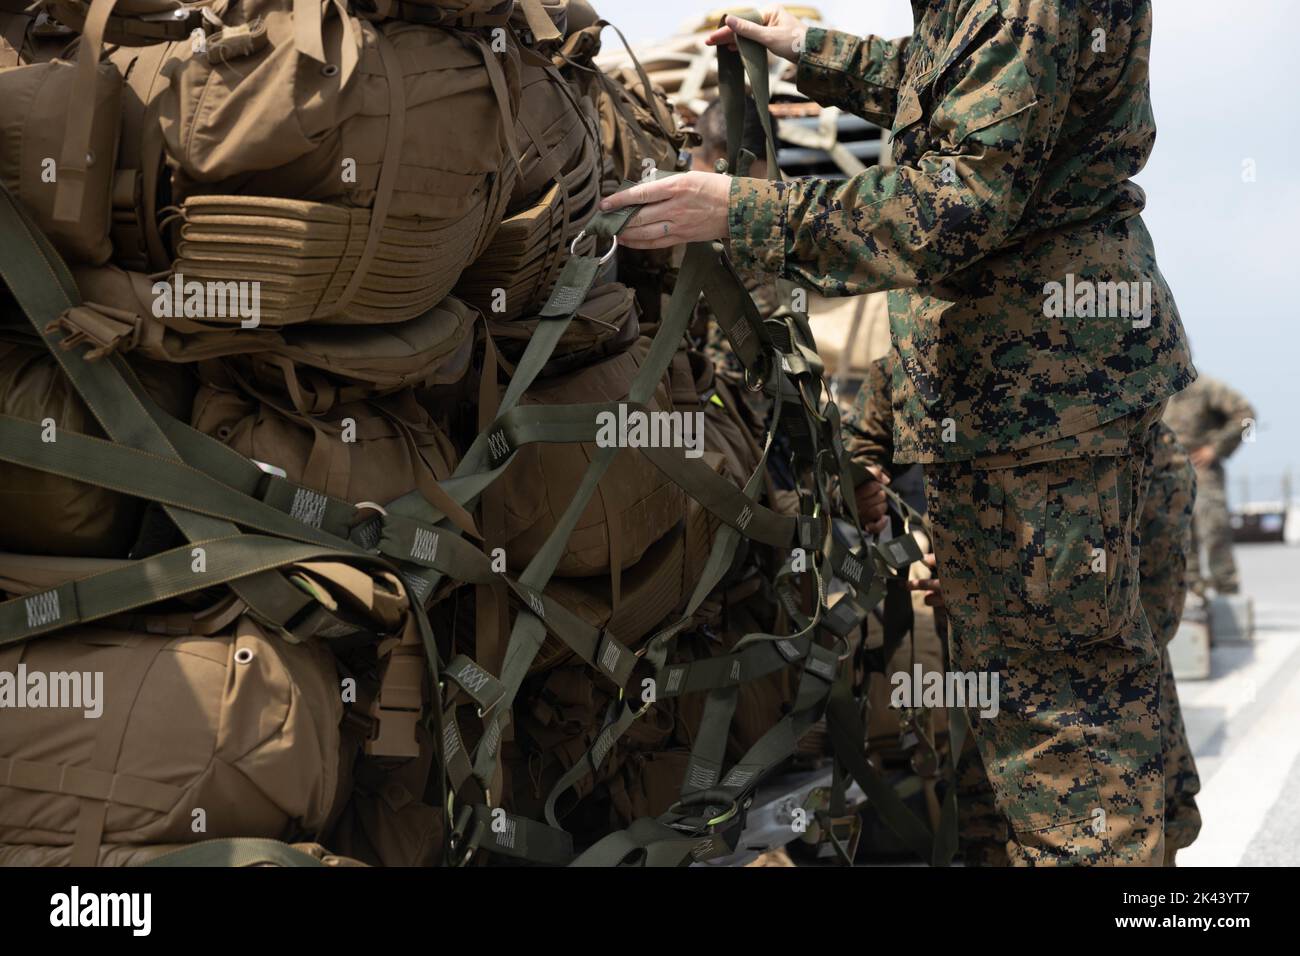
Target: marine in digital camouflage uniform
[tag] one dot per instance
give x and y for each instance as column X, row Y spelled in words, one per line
column 1017, row 126
column 1212, row 418
column 1165, row 530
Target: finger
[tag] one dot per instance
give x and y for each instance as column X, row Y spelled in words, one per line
column 723, row 36
column 747, row 29
column 640, row 195
column 647, row 233
column 663, row 242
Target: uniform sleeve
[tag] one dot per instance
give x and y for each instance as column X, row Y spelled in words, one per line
column 869, row 426
column 1002, row 88
column 1233, row 409
column 860, row 75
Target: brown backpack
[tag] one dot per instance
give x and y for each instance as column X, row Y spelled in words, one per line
column 336, row 186
column 181, row 751
column 364, row 449
column 33, row 163
column 434, row 348
column 48, row 514
column 634, row 506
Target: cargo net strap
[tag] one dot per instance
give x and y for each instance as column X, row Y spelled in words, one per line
column 256, row 523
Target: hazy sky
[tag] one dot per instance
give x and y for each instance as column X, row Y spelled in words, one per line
column 1219, row 75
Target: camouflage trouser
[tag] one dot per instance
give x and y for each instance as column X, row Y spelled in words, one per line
column 1038, row 554
column 1166, row 529
column 1213, row 530
column 1166, row 533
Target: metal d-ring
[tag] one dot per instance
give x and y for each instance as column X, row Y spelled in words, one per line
column 573, row 247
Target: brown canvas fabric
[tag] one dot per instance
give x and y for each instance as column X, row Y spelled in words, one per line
column 42, row 513
column 397, row 118
column 33, row 100
column 395, row 447
column 242, row 726
column 515, row 273
column 118, row 314
column 633, row 495
column 552, row 125
column 23, row 40
column 605, row 324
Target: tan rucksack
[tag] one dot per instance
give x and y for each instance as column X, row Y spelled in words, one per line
column 118, row 315
column 48, row 514
column 33, row 160
column 634, row 506
column 209, row 725
column 375, row 449
column 354, row 203
column 181, row 748
column 555, row 196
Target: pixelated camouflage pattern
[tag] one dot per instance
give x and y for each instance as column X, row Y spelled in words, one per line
column 1209, row 412
column 1212, row 529
column 1015, row 140
column 1075, row 754
column 1164, row 535
column 869, row 424
column 1167, row 535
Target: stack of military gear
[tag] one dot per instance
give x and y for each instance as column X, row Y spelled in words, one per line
column 352, row 566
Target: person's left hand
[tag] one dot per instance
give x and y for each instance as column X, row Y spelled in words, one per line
column 1203, row 457
column 688, row 207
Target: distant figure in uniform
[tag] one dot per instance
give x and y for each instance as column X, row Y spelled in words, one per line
column 1210, row 419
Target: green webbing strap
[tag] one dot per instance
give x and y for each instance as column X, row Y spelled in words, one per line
column 749, row 58
column 590, row 761
column 848, row 735
column 41, row 284
column 442, row 550
column 658, row 845
column 236, row 851
column 656, row 649
column 738, row 316
column 130, row 471
column 472, row 475
column 518, row 837
column 529, row 630
column 149, row 580
column 709, row 749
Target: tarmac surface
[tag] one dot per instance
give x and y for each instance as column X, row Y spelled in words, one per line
column 1243, row 724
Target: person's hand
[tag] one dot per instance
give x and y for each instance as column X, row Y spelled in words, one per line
column 1203, row 457
column 929, row 586
column 870, row 495
column 781, row 32
column 688, row 207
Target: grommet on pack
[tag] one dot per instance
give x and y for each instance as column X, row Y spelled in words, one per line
column 244, row 655
column 329, row 69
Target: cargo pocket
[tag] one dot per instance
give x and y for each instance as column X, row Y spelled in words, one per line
column 1064, row 557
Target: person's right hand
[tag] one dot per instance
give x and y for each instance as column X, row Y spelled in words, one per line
column 930, row 587
column 781, row 32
